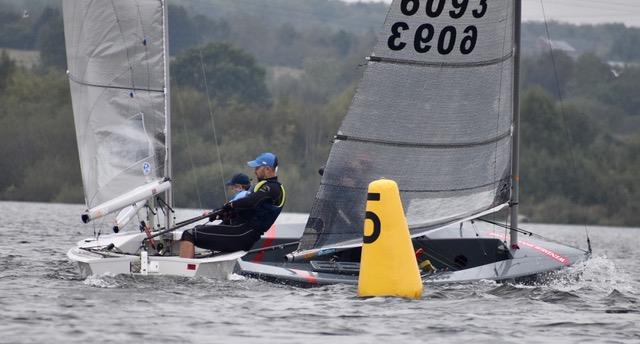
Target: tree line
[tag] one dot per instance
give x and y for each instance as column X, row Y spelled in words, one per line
column 287, row 92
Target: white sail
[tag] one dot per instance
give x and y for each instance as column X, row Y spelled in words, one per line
column 116, row 67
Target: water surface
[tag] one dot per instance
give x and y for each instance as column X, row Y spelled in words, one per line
column 43, row 299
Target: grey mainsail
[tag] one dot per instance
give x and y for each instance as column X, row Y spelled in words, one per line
column 117, row 72
column 433, row 112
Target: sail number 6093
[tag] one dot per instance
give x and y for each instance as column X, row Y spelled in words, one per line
column 447, row 36
column 425, row 33
column 434, row 8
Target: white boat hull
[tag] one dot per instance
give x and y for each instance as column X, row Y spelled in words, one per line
column 92, row 262
column 93, row 259
column 216, row 267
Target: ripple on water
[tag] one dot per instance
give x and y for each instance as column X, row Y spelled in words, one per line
column 108, row 281
column 42, row 294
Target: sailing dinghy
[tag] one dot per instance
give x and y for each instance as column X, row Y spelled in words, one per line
column 437, row 111
column 118, row 69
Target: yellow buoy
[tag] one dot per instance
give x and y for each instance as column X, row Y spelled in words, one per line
column 388, row 265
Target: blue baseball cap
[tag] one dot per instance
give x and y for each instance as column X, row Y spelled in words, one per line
column 239, row 178
column 264, row 159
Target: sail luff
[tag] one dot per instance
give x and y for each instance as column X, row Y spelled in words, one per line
column 167, row 97
column 515, row 160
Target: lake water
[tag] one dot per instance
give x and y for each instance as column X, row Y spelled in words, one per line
column 43, row 299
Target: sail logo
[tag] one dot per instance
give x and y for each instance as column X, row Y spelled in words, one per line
column 146, row 168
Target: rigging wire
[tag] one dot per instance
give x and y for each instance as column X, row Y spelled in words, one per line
column 188, row 142
column 213, row 124
column 473, row 224
column 561, row 102
column 528, row 233
column 210, row 108
column 441, row 258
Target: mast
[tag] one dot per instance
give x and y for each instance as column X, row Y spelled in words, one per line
column 515, row 161
column 167, row 101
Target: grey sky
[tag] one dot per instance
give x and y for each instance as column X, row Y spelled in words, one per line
column 579, row 11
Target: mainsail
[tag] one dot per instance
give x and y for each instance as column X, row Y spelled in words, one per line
column 117, row 72
column 434, row 113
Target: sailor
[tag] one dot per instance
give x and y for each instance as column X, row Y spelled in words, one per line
column 256, row 213
column 239, row 185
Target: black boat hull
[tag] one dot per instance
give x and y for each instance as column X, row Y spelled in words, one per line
column 459, row 254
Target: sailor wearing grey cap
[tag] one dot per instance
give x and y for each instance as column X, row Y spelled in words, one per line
column 256, row 213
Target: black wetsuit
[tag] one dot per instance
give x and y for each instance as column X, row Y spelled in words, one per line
column 256, row 213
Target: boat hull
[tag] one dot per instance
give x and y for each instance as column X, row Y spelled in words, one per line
column 93, row 258
column 459, row 254
column 216, row 267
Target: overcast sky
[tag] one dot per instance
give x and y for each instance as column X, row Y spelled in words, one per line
column 579, row 11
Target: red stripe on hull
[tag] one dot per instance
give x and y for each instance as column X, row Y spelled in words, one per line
column 553, row 255
column 269, row 237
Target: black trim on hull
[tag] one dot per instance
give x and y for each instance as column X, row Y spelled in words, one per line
column 457, row 258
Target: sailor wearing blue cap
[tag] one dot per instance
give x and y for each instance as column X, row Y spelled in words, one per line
column 255, row 214
column 239, row 185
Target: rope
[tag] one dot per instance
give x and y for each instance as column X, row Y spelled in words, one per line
column 477, row 236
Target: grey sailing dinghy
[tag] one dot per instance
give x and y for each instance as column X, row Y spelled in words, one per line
column 437, row 111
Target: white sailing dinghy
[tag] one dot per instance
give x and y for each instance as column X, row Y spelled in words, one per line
column 436, row 111
column 118, row 69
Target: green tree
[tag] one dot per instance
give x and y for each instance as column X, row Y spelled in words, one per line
column 50, row 41
column 542, row 71
column 230, row 74
column 626, row 45
column 591, row 76
column 6, row 67
column 15, row 31
column 623, row 92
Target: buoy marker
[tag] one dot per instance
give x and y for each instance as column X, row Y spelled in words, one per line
column 388, row 265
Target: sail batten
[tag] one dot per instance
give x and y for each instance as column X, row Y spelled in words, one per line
column 432, row 112
column 491, row 140
column 88, row 83
column 441, row 64
column 116, row 67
